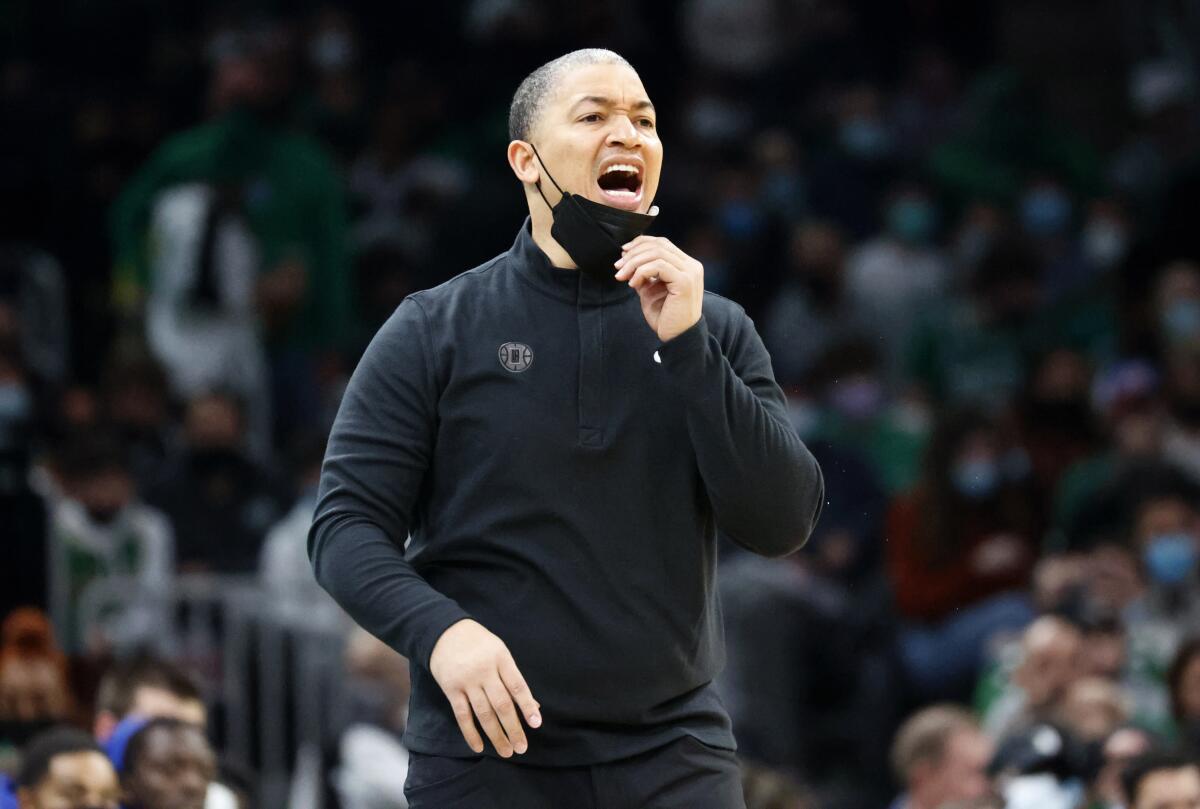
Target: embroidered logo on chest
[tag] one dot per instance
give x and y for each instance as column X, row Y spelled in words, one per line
column 516, row 357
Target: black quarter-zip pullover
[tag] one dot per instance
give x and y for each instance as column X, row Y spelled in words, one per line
column 563, row 474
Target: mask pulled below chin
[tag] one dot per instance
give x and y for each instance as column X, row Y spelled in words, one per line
column 592, row 233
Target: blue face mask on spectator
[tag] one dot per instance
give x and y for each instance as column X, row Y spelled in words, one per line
column 1170, row 558
column 1045, row 211
column 976, row 480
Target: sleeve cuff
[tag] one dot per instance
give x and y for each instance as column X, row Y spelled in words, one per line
column 444, row 617
column 684, row 354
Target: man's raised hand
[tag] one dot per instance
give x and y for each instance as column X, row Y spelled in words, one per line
column 480, row 678
column 669, row 282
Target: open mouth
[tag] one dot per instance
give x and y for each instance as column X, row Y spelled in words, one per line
column 621, row 185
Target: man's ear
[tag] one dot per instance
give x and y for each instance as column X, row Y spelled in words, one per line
column 25, row 798
column 523, row 162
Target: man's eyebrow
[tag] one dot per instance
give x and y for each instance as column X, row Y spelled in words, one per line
column 605, row 101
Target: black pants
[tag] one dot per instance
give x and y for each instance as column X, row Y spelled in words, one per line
column 685, row 774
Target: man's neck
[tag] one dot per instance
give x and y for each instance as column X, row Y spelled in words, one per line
column 542, row 238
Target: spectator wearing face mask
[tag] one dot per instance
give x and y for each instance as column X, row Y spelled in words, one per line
column 901, row 272
column 855, row 411
column 100, row 529
column 960, row 549
column 1165, row 536
column 63, row 768
column 1160, row 780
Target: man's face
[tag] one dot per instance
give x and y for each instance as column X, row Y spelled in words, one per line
column 173, row 771
column 598, row 117
column 83, row 780
column 1170, row 789
column 961, row 774
column 155, row 703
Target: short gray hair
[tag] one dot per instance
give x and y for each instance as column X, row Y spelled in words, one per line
column 531, row 95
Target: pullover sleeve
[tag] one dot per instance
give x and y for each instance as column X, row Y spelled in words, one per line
column 765, row 487
column 379, row 449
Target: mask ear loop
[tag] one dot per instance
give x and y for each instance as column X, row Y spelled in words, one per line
column 538, row 184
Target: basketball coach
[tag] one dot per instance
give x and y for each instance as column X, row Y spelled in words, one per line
column 560, row 433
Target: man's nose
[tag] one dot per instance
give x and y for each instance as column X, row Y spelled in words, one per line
column 623, row 132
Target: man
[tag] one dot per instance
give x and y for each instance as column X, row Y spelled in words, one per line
column 147, row 687
column 163, row 763
column 64, row 769
column 940, row 756
column 563, row 430
column 1051, row 657
column 1162, row 781
column 100, row 528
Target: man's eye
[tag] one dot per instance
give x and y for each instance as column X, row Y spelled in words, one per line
column 647, row 123
column 591, row 117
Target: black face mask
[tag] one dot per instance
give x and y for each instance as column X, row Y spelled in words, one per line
column 591, row 233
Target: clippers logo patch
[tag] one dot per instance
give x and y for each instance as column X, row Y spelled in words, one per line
column 516, row 357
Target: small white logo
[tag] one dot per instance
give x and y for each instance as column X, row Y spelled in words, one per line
column 516, row 357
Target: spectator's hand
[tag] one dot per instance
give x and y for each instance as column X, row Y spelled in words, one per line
column 280, row 292
column 477, row 673
column 669, row 282
column 998, row 555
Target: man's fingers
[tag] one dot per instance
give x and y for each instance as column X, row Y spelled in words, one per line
column 466, row 722
column 507, row 711
column 489, row 721
column 510, row 675
column 635, row 258
column 656, row 270
column 661, row 242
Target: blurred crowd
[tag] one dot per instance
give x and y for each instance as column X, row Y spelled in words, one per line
column 966, row 232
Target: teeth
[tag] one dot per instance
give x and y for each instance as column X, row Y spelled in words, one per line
column 621, row 167
column 620, row 192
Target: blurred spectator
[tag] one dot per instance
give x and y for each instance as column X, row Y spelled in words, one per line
column 960, row 549
column 374, row 763
column 1166, row 538
column 854, row 409
column 34, row 692
column 284, row 568
column 767, row 789
column 136, row 402
column 940, row 756
column 1181, row 439
column 975, row 350
column 1093, row 708
column 201, row 322
column 165, row 764
column 220, row 501
column 148, row 687
column 1050, row 663
column 1042, row 767
column 901, row 273
column 99, row 529
column 1056, row 417
column 1161, row 781
column 33, row 296
column 1183, row 683
column 284, row 188
column 1122, row 747
column 813, row 310
column 63, row 768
